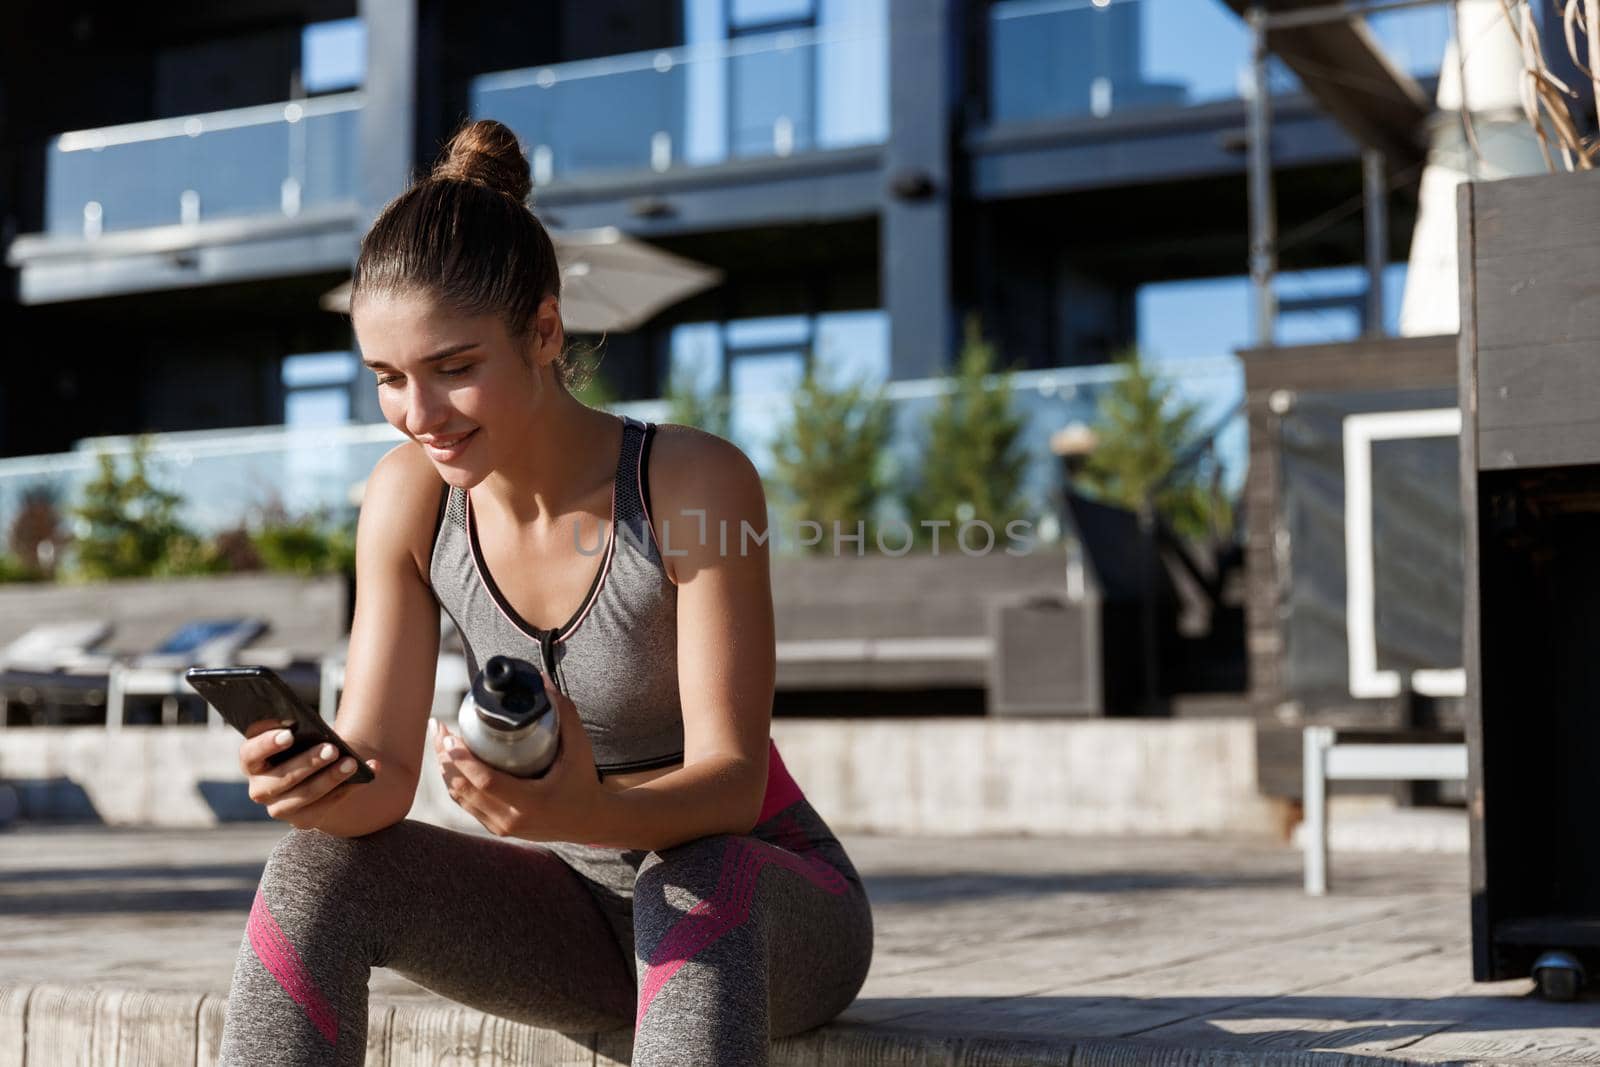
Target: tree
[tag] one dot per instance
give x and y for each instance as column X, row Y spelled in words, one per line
column 37, row 537
column 828, row 457
column 974, row 463
column 129, row 526
column 1141, row 431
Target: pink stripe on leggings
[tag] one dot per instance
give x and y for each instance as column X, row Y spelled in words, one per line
column 727, row 908
column 781, row 788
column 281, row 960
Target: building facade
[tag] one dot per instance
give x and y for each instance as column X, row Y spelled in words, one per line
column 180, row 184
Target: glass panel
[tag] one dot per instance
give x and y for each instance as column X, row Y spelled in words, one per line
column 776, row 330
column 758, row 95
column 1064, row 58
column 1202, row 317
column 333, row 55
column 275, row 160
column 760, row 12
column 771, row 95
column 318, row 368
column 760, row 387
column 316, row 407
column 852, row 346
column 696, row 358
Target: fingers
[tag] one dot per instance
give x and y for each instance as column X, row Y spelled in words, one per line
column 265, row 738
column 304, row 779
column 310, row 790
column 471, row 784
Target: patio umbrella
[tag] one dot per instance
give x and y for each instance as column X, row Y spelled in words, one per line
column 609, row 281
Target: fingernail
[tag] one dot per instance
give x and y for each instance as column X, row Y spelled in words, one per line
column 450, row 744
column 283, row 737
column 347, row 766
column 328, row 752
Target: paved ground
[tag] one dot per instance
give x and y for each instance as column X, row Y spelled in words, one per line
column 1188, row 945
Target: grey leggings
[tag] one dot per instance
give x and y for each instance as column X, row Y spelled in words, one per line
column 709, row 949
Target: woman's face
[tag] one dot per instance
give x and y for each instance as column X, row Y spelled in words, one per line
column 458, row 385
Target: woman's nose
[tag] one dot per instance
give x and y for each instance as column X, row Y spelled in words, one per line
column 424, row 412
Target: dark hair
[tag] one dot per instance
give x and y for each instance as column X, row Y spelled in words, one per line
column 466, row 235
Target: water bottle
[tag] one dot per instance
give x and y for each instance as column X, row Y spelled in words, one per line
column 507, row 719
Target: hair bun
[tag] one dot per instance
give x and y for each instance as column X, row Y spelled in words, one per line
column 486, row 152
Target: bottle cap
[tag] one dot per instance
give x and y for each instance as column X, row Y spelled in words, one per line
column 509, row 694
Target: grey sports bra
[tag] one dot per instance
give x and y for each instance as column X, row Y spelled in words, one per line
column 617, row 657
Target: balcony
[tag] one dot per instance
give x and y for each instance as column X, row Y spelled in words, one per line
column 164, row 203
column 278, row 159
column 1060, row 59
column 770, row 95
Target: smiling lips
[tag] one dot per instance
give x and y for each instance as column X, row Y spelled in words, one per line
column 446, row 447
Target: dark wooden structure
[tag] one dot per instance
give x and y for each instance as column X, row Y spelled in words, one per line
column 1530, row 476
column 1273, row 378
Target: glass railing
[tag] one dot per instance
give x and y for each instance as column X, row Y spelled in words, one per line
column 277, row 159
column 774, row 94
column 1048, row 401
column 1082, row 58
column 225, row 477
column 231, row 477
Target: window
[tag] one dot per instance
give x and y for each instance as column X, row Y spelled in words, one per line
column 316, row 388
column 333, row 55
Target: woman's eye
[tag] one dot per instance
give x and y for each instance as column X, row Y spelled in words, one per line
column 387, row 379
column 456, row 372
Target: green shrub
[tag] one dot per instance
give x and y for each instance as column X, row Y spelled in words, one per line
column 128, row 525
column 973, row 460
column 1141, row 430
column 13, row 569
column 828, row 458
column 307, row 545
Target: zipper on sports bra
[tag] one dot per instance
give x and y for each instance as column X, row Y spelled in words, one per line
column 547, row 651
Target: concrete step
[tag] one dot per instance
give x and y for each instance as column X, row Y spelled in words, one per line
column 88, row 1026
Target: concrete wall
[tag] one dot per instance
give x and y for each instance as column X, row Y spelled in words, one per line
column 308, row 615
column 936, row 776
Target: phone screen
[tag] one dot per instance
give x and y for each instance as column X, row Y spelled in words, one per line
column 246, row 695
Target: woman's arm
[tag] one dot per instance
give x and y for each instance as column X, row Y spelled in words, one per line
column 394, row 646
column 726, row 645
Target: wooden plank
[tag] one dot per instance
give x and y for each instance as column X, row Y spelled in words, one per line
column 1531, row 384
column 1533, row 214
column 1373, row 1013
column 1514, row 1030
column 1549, row 445
column 1352, row 366
column 1545, row 295
column 13, row 1023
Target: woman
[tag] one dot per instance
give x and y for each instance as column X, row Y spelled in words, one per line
column 681, row 883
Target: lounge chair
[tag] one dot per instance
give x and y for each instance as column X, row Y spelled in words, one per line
column 159, row 672
column 55, row 666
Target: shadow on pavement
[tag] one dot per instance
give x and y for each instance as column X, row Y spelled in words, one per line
column 108, row 890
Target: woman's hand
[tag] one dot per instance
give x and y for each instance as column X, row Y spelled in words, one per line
column 289, row 789
column 566, row 803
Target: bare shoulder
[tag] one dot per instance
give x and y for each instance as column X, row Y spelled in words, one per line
column 400, row 505
column 694, row 474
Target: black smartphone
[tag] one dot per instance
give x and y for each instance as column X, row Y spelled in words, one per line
column 246, row 695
